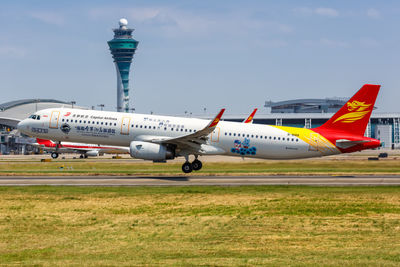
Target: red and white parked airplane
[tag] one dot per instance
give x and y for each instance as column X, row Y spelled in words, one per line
column 86, row 150
column 161, row 138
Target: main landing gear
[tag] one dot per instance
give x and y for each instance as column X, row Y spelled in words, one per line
column 188, row 167
column 54, row 155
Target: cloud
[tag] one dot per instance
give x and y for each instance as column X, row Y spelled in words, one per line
column 326, row 42
column 12, row 51
column 320, row 11
column 373, row 13
column 175, row 22
column 368, row 42
column 48, row 17
column 333, row 43
column 328, row 12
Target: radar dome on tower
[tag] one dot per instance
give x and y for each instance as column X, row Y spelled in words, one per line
column 123, row 23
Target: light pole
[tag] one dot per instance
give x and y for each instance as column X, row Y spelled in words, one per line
column 101, row 106
column 73, row 103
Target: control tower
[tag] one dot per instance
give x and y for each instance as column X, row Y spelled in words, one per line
column 122, row 48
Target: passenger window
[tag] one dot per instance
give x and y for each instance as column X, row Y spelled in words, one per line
column 252, row 136
column 172, row 129
column 106, row 123
column 226, row 133
column 145, row 127
column 101, row 123
column 256, row 136
column 97, row 123
column 270, row 138
column 76, row 121
column 238, row 135
column 115, row 124
column 62, row 120
column 137, row 126
column 80, row 121
column 230, row 134
column 274, row 138
column 38, row 117
column 165, row 128
column 279, row 138
column 248, row 135
column 181, row 130
column 234, row 134
column 283, row 138
column 185, row 130
column 141, row 126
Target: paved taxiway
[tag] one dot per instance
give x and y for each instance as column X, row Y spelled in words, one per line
column 198, row 180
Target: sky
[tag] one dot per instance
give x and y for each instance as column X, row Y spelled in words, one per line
column 201, row 55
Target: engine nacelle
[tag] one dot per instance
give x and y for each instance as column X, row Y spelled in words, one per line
column 92, row 153
column 151, row 151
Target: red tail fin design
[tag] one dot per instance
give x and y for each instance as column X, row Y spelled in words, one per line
column 250, row 118
column 354, row 116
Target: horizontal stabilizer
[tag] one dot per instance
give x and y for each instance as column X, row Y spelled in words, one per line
column 344, row 143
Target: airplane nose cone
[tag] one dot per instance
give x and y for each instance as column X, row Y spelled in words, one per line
column 21, row 126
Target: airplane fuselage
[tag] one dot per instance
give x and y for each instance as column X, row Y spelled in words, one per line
column 228, row 138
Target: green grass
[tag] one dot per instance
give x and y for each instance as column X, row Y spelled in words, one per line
column 223, row 226
column 210, row 168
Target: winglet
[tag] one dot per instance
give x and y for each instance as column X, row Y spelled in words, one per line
column 250, row 118
column 216, row 119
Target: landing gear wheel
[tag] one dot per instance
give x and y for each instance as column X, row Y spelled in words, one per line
column 187, row 167
column 81, row 156
column 54, row 155
column 85, row 156
column 196, row 165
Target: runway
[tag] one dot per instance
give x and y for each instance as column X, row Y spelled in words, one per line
column 199, row 180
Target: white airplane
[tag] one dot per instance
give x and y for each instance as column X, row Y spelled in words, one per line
column 86, row 150
column 161, row 138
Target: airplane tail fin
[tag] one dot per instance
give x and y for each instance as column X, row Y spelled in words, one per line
column 354, row 116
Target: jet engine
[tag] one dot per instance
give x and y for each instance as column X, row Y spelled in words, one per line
column 151, row 151
column 92, row 153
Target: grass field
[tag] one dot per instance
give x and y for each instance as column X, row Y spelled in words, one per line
column 303, row 167
column 223, row 226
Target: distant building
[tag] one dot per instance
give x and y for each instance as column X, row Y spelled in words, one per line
column 327, row 105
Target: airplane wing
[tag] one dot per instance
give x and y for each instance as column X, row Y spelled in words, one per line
column 250, row 118
column 194, row 142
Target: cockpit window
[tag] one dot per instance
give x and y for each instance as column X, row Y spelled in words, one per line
column 34, row 117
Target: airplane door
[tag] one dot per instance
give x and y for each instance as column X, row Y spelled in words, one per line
column 54, row 119
column 215, row 135
column 313, row 145
column 125, row 125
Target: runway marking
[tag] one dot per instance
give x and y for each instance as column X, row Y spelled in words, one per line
column 199, row 180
